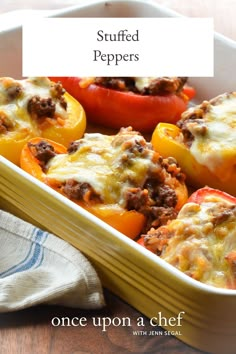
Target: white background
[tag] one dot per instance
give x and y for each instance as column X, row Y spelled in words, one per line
column 166, row 47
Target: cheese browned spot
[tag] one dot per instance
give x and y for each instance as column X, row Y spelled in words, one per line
column 210, row 132
column 201, row 242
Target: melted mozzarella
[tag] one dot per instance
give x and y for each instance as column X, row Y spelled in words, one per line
column 217, row 148
column 142, row 82
column 200, row 246
column 16, row 108
column 110, row 168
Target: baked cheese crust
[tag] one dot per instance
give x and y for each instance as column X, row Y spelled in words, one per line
column 209, row 130
column 201, row 242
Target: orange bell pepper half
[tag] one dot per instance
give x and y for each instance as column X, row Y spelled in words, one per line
column 165, row 140
column 130, row 223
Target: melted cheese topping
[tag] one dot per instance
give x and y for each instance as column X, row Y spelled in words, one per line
column 142, row 82
column 217, row 148
column 107, row 163
column 16, row 108
column 201, row 244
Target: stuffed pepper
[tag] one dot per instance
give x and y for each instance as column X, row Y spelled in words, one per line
column 204, row 143
column 201, row 241
column 36, row 107
column 119, row 178
column 140, row 102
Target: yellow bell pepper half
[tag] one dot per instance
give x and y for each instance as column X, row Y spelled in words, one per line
column 25, row 128
column 165, row 140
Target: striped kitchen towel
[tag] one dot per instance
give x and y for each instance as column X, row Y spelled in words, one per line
column 37, row 267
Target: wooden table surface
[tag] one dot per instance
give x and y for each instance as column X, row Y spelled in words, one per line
column 31, row 331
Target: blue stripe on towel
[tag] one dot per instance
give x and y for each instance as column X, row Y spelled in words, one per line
column 34, row 257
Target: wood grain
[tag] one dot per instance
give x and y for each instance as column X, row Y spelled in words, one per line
column 31, row 332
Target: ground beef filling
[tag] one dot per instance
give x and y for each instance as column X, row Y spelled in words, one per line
column 43, row 152
column 223, row 214
column 157, row 86
column 193, row 118
column 6, row 124
column 39, row 107
column 14, row 91
column 80, row 191
column 57, row 92
column 156, row 240
column 45, row 107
